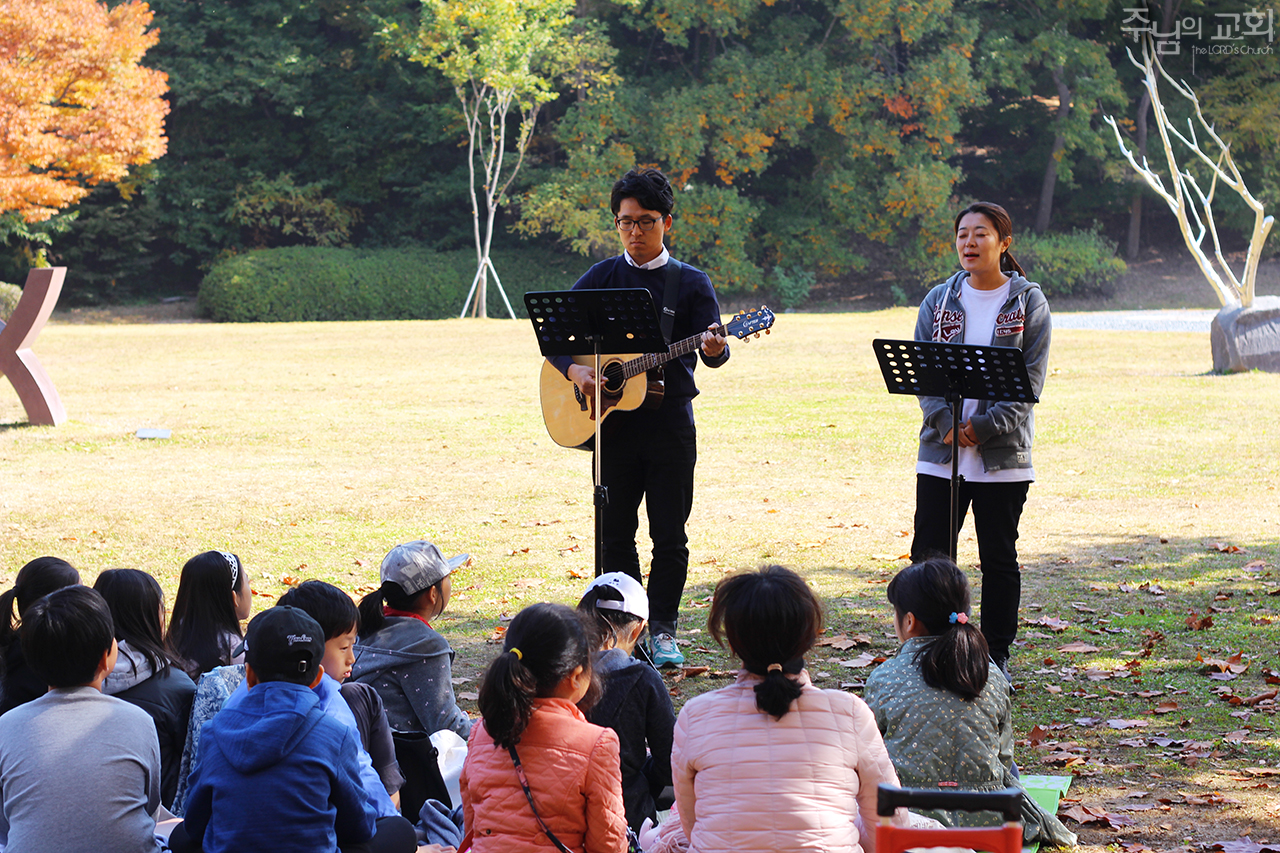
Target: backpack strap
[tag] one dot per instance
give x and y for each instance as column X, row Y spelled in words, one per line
column 670, row 293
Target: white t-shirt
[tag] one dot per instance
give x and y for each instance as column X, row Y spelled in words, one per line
column 980, row 310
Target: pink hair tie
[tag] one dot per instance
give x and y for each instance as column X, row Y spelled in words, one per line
column 962, row 618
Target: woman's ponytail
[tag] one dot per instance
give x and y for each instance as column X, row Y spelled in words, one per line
column 955, row 656
column 506, row 697
column 777, row 691
column 372, row 618
column 543, row 645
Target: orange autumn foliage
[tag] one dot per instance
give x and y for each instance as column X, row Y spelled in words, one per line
column 76, row 107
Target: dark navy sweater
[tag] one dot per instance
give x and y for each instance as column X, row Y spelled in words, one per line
column 696, row 309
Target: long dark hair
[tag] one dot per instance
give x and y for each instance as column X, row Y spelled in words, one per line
column 769, row 618
column 372, row 619
column 609, row 625
column 136, row 602
column 956, row 656
column 544, row 644
column 35, row 580
column 1004, row 228
column 204, row 611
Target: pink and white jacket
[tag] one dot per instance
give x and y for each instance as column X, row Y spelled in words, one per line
column 747, row 782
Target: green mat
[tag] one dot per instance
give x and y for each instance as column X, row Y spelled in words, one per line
column 1047, row 791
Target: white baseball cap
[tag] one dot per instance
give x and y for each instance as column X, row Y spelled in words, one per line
column 634, row 600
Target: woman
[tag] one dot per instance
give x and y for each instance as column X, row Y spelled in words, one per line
column 989, row 302
column 146, row 672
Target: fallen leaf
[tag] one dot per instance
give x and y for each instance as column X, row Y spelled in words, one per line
column 1254, row 565
column 1083, row 648
column 574, row 573
column 1196, row 622
column 1254, row 700
column 1224, row 548
column 1052, row 623
column 526, row 583
column 1166, row 707
column 862, row 661
column 292, row 580
column 1237, row 736
column 469, row 697
column 1126, row 724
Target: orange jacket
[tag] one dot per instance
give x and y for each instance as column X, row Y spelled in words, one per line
column 573, row 770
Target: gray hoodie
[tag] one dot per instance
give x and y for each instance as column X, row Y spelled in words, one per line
column 410, row 665
column 1004, row 429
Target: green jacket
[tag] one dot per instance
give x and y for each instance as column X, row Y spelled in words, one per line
column 935, row 736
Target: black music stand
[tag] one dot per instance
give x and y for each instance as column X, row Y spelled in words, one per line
column 604, row 322
column 955, row 372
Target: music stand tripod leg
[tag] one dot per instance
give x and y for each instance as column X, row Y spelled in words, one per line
column 956, row 405
column 601, row 490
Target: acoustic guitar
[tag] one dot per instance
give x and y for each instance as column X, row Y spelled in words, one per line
column 628, row 382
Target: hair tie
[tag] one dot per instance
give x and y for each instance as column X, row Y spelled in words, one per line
column 234, row 565
column 516, row 652
column 773, row 667
column 962, row 618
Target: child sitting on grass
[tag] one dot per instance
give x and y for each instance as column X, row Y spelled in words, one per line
column 942, row 706
column 35, row 580
column 538, row 775
column 276, row 772
column 339, row 620
column 634, row 701
column 79, row 770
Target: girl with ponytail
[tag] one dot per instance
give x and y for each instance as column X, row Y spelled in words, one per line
column 943, row 709
column 537, row 773
column 813, row 756
column 35, row 580
column 989, row 302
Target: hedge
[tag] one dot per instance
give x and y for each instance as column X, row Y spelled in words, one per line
column 1069, row 264
column 307, row 283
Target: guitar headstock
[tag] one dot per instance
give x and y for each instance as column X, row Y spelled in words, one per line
column 747, row 323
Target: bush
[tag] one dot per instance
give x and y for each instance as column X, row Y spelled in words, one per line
column 1069, row 264
column 791, row 286
column 309, row 283
column 9, row 296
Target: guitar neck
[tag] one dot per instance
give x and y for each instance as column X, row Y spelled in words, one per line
column 648, row 361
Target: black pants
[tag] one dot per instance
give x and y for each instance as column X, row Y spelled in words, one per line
column 997, row 507
column 655, row 463
column 393, row 835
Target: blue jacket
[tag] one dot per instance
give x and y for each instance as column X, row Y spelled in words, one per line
column 283, row 775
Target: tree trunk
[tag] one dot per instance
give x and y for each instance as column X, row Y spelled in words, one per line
column 1045, row 210
column 1135, row 205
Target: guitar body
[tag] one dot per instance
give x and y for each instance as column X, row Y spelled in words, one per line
column 569, row 417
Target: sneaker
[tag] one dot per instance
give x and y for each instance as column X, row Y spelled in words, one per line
column 665, row 651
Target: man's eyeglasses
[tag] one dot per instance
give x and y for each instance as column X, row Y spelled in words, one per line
column 625, row 225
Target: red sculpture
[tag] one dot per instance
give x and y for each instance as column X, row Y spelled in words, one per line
column 17, row 361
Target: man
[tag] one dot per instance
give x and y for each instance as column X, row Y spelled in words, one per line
column 650, row 453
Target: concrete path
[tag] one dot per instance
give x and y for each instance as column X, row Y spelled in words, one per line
column 1169, row 320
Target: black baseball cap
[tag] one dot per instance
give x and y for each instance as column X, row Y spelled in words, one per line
column 283, row 643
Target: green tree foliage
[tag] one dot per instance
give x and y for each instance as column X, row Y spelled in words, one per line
column 1048, row 69
column 810, row 134
column 276, row 91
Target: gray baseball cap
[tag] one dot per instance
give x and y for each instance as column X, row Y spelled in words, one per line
column 415, row 566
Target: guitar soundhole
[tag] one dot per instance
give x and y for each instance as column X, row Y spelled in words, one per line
column 614, row 380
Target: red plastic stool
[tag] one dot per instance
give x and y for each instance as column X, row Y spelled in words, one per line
column 1006, row 838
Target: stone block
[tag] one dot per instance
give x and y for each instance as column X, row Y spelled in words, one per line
column 1247, row 338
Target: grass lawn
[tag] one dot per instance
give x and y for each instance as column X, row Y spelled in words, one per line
column 311, row 449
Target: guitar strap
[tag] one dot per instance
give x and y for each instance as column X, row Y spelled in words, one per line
column 670, row 293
